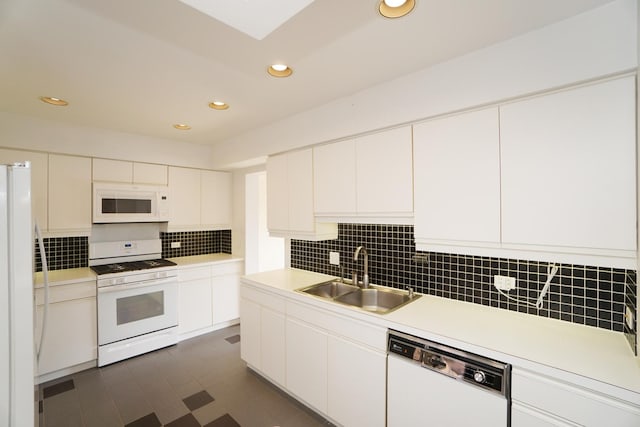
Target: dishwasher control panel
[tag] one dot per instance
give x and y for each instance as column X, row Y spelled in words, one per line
column 468, row 367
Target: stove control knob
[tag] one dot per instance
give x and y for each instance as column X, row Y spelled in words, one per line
column 479, row 377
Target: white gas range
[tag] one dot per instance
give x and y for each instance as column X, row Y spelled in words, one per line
column 137, row 298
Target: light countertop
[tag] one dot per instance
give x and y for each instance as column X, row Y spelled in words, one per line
column 205, row 259
column 78, row 275
column 592, row 357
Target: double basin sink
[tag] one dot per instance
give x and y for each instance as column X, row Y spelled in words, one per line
column 373, row 299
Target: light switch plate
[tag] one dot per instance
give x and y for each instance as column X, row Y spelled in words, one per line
column 334, row 258
column 175, row 245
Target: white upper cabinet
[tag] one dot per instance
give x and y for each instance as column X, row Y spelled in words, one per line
column 290, row 198
column 215, row 200
column 384, row 174
column 147, row 173
column 334, row 168
column 457, row 180
column 200, row 199
column 569, row 171
column 184, row 184
column 129, row 172
column 112, row 171
column 69, row 195
column 367, row 179
column 39, row 179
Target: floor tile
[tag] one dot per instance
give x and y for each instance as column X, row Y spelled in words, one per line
column 58, row 388
column 148, row 390
column 197, row 400
column 186, row 421
column 224, row 421
column 150, row 420
column 233, row 339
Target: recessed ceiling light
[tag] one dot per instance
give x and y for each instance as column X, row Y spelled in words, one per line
column 182, row 126
column 279, row 70
column 396, row 8
column 54, row 101
column 218, row 105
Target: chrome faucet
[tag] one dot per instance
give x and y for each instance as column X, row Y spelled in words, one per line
column 365, row 275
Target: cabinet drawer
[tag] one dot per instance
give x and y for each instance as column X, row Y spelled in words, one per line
column 227, row 268
column 360, row 332
column 69, row 292
column 571, row 402
column 187, row 274
column 266, row 300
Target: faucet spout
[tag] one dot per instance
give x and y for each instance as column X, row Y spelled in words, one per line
column 365, row 275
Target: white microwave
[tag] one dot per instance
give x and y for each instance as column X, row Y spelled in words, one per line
column 130, row 203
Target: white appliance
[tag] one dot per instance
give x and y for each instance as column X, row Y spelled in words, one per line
column 137, row 298
column 17, row 353
column 130, row 203
column 433, row 384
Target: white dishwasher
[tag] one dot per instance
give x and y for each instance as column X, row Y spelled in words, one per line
column 430, row 384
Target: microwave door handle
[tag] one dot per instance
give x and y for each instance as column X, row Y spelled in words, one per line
column 146, row 284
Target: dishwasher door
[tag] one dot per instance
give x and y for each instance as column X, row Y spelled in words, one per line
column 417, row 396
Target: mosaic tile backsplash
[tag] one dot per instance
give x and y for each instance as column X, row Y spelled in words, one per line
column 581, row 294
column 196, row 243
column 63, row 252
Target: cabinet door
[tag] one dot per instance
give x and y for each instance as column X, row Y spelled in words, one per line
column 356, row 371
column 39, row 179
column 457, row 178
column 146, row 173
column 272, row 343
column 184, row 184
column 568, row 168
column 194, row 309
column 250, row 332
column 277, row 193
column 300, row 185
column 112, row 170
column 225, row 293
column 69, row 194
column 215, row 200
column 71, row 334
column 334, row 178
column 307, row 364
column 384, row 181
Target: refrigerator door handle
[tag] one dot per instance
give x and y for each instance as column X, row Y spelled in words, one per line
column 45, row 273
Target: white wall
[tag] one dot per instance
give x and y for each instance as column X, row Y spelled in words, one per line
column 594, row 44
column 24, row 132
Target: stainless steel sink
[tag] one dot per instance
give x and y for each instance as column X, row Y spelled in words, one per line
column 374, row 299
column 330, row 289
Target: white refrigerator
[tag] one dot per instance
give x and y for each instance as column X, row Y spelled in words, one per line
column 17, row 359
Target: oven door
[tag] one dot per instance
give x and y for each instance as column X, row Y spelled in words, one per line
column 126, row 311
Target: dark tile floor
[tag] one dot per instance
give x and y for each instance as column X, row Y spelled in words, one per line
column 199, row 382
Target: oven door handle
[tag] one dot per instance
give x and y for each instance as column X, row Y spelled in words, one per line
column 146, row 284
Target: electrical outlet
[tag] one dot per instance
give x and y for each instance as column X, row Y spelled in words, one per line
column 628, row 317
column 334, row 258
column 504, row 283
column 175, row 245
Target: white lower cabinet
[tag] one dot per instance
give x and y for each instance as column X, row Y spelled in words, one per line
column 250, row 333
column 71, row 331
column 272, row 343
column 540, row 401
column 332, row 363
column 307, row 364
column 194, row 309
column 356, row 383
column 209, row 297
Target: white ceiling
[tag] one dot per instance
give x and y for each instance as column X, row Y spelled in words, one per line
column 140, row 66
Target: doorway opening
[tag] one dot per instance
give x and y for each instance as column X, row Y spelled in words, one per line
column 262, row 252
